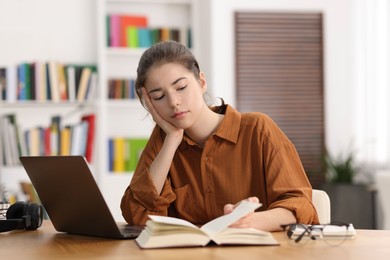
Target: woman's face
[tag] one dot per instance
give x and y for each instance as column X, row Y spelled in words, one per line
column 176, row 94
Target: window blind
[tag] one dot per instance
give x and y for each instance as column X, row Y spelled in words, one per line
column 279, row 71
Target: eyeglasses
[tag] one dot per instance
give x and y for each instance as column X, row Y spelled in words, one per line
column 3, row 210
column 333, row 234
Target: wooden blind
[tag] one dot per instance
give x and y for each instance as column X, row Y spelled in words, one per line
column 279, row 71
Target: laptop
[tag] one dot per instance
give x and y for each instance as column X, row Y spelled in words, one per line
column 68, row 192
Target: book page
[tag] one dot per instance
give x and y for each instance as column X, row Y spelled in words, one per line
column 172, row 221
column 222, row 222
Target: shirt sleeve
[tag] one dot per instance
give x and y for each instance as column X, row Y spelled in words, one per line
column 141, row 198
column 286, row 182
column 290, row 188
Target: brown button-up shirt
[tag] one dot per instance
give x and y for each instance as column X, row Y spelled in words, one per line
column 247, row 156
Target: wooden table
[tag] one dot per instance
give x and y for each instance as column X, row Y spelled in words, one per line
column 47, row 243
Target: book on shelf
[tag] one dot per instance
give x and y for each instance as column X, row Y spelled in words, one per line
column 65, row 140
column 144, row 38
column 71, row 78
column 8, row 142
column 155, row 35
column 3, row 81
column 121, row 89
column 62, row 82
column 108, row 25
column 45, row 81
column 135, row 148
column 124, row 153
column 10, row 81
column 110, row 154
column 114, row 31
column 164, row 34
column 32, row 81
column 119, row 155
column 23, row 83
column 83, row 84
column 92, row 86
column 90, row 135
column 85, row 81
column 131, row 34
column 174, row 34
column 73, row 139
column 12, row 141
column 133, row 22
column 76, row 142
column 33, row 141
column 133, row 31
column 48, row 84
column 53, row 79
column 55, row 141
column 47, row 141
column 163, row 232
column 40, row 81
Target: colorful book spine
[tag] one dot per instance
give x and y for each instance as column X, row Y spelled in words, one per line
column 144, row 38
column 90, row 139
column 83, row 85
column 124, row 153
column 133, row 31
column 115, row 30
column 132, row 37
column 111, row 155
column 119, row 159
column 129, row 38
column 3, row 81
column 21, row 82
column 53, row 78
column 11, row 83
column 121, row 89
column 48, row 81
column 65, row 141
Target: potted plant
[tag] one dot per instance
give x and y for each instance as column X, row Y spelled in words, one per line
column 350, row 202
column 340, row 169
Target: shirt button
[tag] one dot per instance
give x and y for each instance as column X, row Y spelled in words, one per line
column 205, row 159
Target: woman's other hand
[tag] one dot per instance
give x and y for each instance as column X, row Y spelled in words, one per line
column 244, row 222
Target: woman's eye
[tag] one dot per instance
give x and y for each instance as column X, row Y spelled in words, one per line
column 181, row 88
column 158, row 98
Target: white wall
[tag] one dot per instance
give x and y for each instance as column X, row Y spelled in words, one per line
column 47, row 30
column 338, row 57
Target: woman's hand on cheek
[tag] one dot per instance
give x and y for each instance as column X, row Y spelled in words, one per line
column 244, row 222
column 169, row 129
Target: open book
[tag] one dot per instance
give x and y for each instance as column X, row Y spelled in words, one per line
column 163, row 231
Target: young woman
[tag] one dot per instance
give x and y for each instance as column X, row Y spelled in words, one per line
column 200, row 161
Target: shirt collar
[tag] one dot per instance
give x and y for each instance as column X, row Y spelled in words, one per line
column 228, row 130
column 230, row 126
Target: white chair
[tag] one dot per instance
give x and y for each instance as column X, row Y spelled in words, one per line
column 382, row 179
column 321, row 203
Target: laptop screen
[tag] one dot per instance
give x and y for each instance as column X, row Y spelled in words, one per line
column 69, row 193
